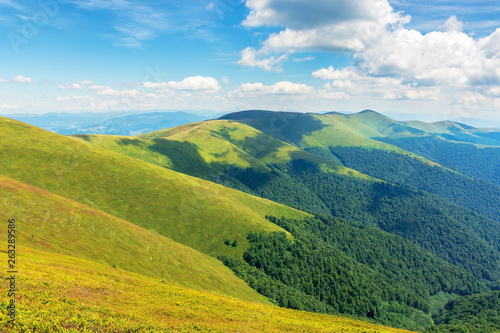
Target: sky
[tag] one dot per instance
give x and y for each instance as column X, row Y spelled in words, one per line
column 437, row 59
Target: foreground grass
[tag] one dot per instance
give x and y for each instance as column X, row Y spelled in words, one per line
column 51, row 223
column 57, row 293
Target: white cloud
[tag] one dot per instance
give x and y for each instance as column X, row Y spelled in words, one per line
column 12, row 4
column 75, row 98
column 307, row 14
column 98, row 87
column 325, row 25
column 453, row 58
column 356, row 83
column 331, row 73
column 192, row 83
column 453, row 24
column 494, row 91
column 391, row 61
column 225, row 80
column 22, row 79
column 82, row 84
column 9, row 107
column 283, row 87
column 196, row 83
column 3, row 80
column 125, row 93
column 250, row 58
column 308, row 58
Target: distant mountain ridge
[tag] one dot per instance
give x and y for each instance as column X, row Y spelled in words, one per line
column 112, row 123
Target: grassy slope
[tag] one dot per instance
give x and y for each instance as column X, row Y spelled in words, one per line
column 191, row 211
column 211, row 147
column 58, row 293
column 52, row 223
column 331, row 129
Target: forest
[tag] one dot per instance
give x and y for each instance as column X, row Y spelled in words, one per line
column 323, row 269
column 476, row 161
column 454, row 233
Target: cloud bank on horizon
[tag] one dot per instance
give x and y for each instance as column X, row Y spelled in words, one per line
column 225, row 55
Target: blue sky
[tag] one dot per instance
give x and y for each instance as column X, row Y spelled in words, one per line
column 437, row 59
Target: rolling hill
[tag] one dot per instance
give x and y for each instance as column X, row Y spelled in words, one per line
column 210, row 148
column 188, row 210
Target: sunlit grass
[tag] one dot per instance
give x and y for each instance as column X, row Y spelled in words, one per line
column 48, row 222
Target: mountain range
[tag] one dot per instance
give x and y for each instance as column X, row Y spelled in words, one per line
column 114, row 123
column 379, row 221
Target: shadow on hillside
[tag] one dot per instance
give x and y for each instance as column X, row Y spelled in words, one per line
column 287, row 126
column 83, row 137
column 184, row 156
column 135, row 142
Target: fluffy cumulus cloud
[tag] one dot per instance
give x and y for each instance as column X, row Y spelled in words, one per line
column 324, row 25
column 22, row 79
column 451, row 58
column 125, row 93
column 283, row 87
column 390, row 60
column 447, row 67
column 191, row 92
column 250, row 58
column 82, row 84
column 354, row 82
column 192, row 83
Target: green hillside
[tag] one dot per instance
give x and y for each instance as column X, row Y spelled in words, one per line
column 57, row 293
column 188, row 210
column 210, row 148
column 48, row 222
column 309, row 130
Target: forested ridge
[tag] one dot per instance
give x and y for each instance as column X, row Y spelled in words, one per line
column 334, row 266
column 479, row 162
column 453, row 233
column 478, row 195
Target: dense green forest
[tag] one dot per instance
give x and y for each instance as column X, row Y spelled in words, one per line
column 387, row 279
column 477, row 195
column 479, row 162
column 453, row 233
column 470, row 314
